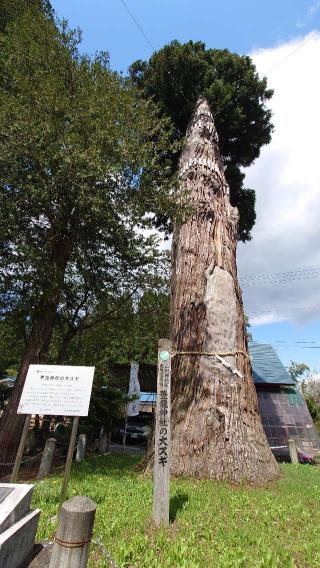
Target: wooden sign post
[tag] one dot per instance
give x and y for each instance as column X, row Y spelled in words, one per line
column 161, row 474
column 23, row 439
column 67, row 469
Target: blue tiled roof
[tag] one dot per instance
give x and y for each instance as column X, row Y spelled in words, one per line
column 266, row 365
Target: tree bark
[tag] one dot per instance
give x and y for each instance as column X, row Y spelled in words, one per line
column 11, row 423
column 216, row 428
column 65, row 344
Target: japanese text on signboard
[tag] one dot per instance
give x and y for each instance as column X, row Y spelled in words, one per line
column 164, row 377
column 62, row 390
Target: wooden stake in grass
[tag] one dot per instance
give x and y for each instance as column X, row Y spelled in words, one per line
column 72, row 541
column 47, row 458
column 293, row 451
column 162, row 435
column 67, row 469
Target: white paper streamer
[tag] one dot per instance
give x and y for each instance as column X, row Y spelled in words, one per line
column 134, row 390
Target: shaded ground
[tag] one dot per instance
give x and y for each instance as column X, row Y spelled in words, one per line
column 212, row 524
column 137, row 450
column 30, row 470
column 39, row 558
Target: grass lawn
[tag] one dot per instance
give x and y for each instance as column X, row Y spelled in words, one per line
column 213, row 524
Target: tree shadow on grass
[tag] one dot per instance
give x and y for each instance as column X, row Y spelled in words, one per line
column 177, row 503
column 109, row 465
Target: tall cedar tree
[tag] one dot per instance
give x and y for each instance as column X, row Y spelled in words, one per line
column 178, row 74
column 82, row 159
column 216, row 427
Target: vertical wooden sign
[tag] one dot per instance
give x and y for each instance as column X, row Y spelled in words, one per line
column 161, row 473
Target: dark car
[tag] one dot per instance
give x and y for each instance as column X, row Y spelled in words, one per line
column 282, row 454
column 137, row 430
column 135, row 433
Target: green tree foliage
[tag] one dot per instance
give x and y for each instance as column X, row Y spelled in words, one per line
column 176, row 75
column 311, row 390
column 12, row 343
column 98, row 328
column 297, row 370
column 12, row 9
column 5, row 391
column 130, row 334
column 120, row 320
column 314, row 409
column 247, row 328
column 83, row 173
column 75, row 140
column 107, row 407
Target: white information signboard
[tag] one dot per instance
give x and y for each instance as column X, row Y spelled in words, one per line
column 60, row 390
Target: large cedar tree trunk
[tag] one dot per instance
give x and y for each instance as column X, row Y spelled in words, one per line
column 11, row 423
column 216, row 428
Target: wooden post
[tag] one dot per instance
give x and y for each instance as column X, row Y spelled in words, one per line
column 17, row 463
column 161, row 472
column 124, row 437
column 67, row 470
column 47, row 457
column 103, row 443
column 81, row 448
column 293, row 451
column 72, row 541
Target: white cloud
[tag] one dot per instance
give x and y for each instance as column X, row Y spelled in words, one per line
column 314, row 8
column 287, row 183
column 311, row 11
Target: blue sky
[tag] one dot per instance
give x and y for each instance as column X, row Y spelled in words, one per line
column 292, row 342
column 241, row 26
column 286, row 236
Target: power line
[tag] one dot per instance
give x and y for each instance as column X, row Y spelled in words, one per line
column 241, row 91
column 287, row 341
column 140, row 28
column 296, row 347
column 304, row 42
column 281, row 277
column 288, row 272
column 138, row 25
column 284, row 309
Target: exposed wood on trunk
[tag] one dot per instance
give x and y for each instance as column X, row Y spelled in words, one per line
column 216, row 428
